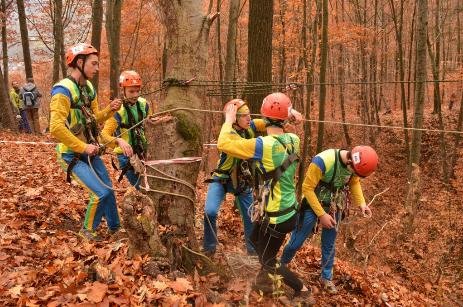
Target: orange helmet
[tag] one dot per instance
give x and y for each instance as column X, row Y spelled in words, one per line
column 129, row 78
column 364, row 160
column 276, row 106
column 80, row 48
column 237, row 102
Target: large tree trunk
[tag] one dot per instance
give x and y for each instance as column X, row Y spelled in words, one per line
column 113, row 30
column 323, row 66
column 421, row 35
column 7, row 119
column 187, row 33
column 231, row 43
column 97, row 20
column 58, row 36
column 24, row 39
column 260, row 28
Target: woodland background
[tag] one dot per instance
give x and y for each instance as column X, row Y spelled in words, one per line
column 386, row 64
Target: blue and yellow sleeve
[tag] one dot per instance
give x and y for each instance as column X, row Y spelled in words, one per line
column 233, row 144
column 356, row 193
column 107, row 134
column 312, row 177
column 60, row 107
column 101, row 115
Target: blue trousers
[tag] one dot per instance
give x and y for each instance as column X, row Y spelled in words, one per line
column 102, row 200
column 24, row 123
column 133, row 178
column 305, row 230
column 215, row 195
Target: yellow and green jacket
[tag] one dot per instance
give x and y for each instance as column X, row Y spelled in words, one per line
column 63, row 117
column 17, row 102
column 117, row 125
column 269, row 154
column 227, row 162
column 321, row 170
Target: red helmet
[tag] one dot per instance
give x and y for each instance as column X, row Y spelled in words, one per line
column 80, row 48
column 364, row 160
column 237, row 102
column 129, row 78
column 276, row 106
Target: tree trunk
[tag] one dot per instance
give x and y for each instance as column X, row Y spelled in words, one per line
column 7, row 118
column 231, row 43
column 323, row 66
column 4, row 44
column 282, row 53
column 97, row 20
column 415, row 150
column 437, row 105
column 398, row 25
column 24, row 39
column 260, row 28
column 187, row 32
column 341, row 79
column 456, row 147
column 113, row 29
column 219, row 52
column 58, row 38
column 309, row 79
column 410, row 57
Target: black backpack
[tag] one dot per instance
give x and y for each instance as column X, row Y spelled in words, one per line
column 29, row 97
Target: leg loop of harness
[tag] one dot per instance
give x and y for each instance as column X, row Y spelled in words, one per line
column 70, row 167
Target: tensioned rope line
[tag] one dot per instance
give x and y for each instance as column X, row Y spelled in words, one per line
column 259, row 115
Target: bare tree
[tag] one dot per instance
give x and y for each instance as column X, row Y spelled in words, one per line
column 260, row 29
column 7, row 119
column 187, row 31
column 231, row 41
column 323, row 66
column 398, row 26
column 113, row 30
column 97, row 21
column 421, row 69
column 24, row 38
column 59, row 38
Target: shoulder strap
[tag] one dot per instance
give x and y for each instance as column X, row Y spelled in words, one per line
column 276, row 174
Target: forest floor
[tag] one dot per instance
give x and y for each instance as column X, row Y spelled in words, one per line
column 379, row 261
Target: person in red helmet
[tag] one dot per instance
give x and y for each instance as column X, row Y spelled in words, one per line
column 332, row 177
column 234, row 175
column 74, row 120
column 274, row 212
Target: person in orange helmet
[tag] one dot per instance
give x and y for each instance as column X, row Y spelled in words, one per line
column 74, row 120
column 332, row 176
column 124, row 128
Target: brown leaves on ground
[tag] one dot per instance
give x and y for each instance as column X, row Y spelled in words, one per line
column 43, row 263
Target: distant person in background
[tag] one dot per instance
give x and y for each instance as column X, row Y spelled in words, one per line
column 30, row 96
column 18, row 106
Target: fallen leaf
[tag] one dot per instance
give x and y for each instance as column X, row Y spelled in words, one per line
column 181, row 285
column 15, row 291
column 97, row 292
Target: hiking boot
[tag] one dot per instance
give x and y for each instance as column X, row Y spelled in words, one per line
column 303, row 298
column 117, row 234
column 209, row 253
column 263, row 283
column 89, row 235
column 328, row 286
